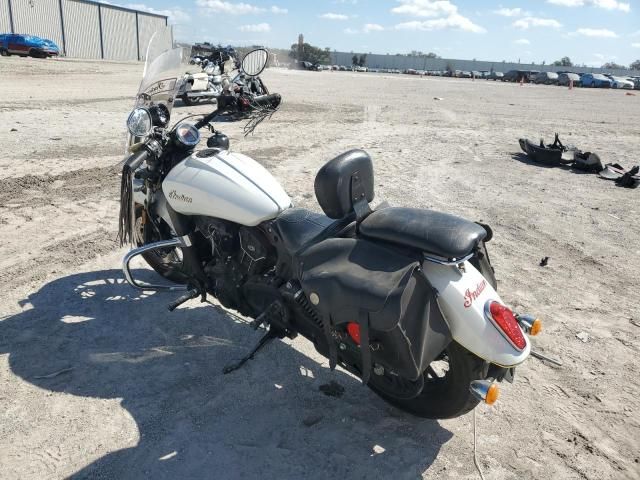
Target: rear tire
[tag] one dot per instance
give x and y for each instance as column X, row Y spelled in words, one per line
column 446, row 396
column 4, row 53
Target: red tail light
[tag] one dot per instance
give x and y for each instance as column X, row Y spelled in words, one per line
column 506, row 323
column 353, row 329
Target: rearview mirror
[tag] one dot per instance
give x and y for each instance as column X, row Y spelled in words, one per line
column 255, row 62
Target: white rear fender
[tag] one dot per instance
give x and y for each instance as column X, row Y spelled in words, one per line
column 462, row 298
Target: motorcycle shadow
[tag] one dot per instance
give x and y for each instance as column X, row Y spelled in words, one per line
column 267, row 420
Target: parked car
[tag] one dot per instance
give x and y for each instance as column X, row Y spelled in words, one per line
column 636, row 83
column 621, row 82
column 495, row 76
column 360, row 69
column 519, row 75
column 565, row 78
column 465, row 74
column 595, row 80
column 27, row 45
column 547, row 78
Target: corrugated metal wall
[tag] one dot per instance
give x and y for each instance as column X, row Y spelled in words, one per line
column 147, row 26
column 38, row 17
column 5, row 23
column 119, row 34
column 82, row 19
column 81, row 29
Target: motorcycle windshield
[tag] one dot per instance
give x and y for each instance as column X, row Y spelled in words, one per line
column 162, row 75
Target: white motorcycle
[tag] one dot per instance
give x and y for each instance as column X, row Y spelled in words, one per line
column 206, row 85
column 403, row 298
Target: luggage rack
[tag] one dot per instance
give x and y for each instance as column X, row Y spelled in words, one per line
column 447, row 261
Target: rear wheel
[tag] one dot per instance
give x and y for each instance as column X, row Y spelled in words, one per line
column 4, row 52
column 446, row 385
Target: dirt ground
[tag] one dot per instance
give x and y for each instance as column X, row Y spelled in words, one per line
column 99, row 381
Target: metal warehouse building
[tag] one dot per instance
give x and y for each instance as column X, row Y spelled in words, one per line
column 86, row 29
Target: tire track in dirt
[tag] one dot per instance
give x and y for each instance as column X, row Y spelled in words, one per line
column 78, row 210
column 60, row 256
column 34, row 190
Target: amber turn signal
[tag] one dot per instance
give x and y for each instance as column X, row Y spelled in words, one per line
column 485, row 390
column 531, row 325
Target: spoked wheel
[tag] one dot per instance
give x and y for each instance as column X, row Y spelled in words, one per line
column 445, row 391
column 168, row 261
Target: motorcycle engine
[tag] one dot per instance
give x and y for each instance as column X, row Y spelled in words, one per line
column 239, row 257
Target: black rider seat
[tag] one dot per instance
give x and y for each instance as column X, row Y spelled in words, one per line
column 299, row 227
column 440, row 234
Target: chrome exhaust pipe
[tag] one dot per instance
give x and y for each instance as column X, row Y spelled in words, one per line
column 179, row 242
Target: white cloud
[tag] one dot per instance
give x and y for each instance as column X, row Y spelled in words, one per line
column 635, row 34
column 425, row 8
column 220, row 6
column 456, row 21
column 176, row 15
column 636, row 45
column 334, row 16
column 442, row 15
column 256, row 28
column 595, row 32
column 605, row 4
column 350, row 31
column 522, row 41
column 277, row 10
column 372, row 27
column 509, row 12
column 527, row 22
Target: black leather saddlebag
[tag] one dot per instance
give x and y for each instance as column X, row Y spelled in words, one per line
column 356, row 280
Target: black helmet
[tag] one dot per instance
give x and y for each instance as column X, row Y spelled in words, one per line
column 218, row 140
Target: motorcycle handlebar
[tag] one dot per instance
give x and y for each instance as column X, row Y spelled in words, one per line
column 206, row 119
column 272, row 100
column 137, row 159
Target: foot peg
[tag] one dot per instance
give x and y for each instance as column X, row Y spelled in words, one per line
column 266, row 338
column 179, row 242
column 193, row 293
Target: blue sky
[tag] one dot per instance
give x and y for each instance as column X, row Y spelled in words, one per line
column 588, row 31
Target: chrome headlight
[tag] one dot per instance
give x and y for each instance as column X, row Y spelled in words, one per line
column 139, row 122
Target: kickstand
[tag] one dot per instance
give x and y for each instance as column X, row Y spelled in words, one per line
column 266, row 338
column 475, row 443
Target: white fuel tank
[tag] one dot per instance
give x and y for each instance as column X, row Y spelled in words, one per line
column 225, row 185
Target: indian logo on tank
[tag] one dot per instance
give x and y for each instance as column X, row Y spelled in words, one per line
column 471, row 295
column 173, row 195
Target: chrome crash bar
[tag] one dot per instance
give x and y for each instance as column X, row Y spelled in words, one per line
column 179, row 242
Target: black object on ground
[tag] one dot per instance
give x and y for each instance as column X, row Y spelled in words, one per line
column 332, row 389
column 544, row 262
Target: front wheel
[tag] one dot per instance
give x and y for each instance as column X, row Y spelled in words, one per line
column 446, row 385
column 167, row 262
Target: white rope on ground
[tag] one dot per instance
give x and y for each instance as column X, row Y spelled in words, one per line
column 475, row 442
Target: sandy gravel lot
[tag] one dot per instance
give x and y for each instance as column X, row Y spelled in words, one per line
column 141, row 393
